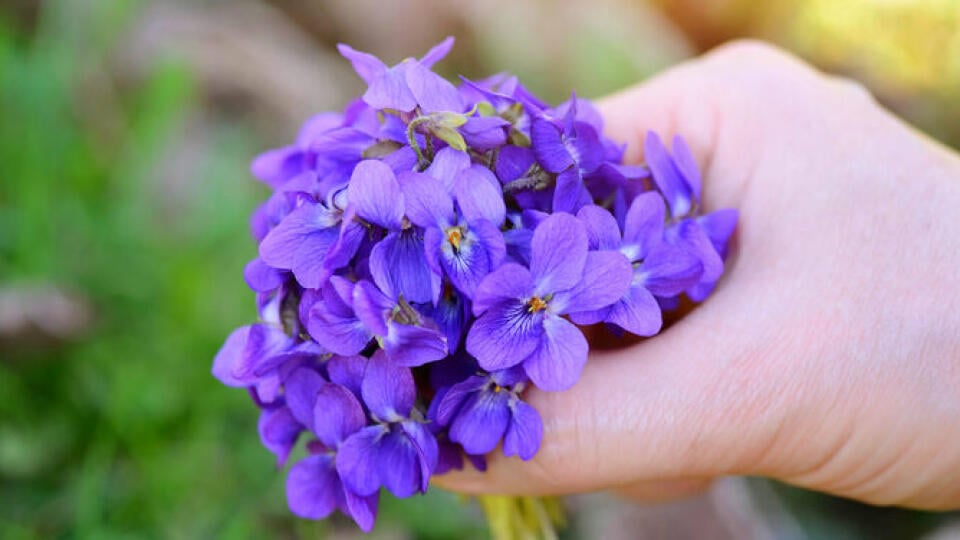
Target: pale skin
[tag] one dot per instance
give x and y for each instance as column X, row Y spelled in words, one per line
column 829, row 356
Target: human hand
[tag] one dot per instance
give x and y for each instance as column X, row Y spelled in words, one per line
column 829, row 355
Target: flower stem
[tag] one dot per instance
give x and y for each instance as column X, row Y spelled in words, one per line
column 522, row 518
column 412, row 139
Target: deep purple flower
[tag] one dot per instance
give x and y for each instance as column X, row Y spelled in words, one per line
column 401, row 331
column 678, row 178
column 520, row 310
column 463, row 245
column 483, row 409
column 314, row 486
column 569, row 153
column 438, row 244
column 659, row 268
column 399, row 260
column 279, row 432
column 719, row 226
column 333, row 322
column 398, row 451
column 523, row 178
column 450, row 314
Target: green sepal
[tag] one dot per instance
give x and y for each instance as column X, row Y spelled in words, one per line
column 484, row 108
column 450, row 136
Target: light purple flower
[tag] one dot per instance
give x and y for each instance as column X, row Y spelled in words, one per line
column 508, row 97
column 677, row 176
column 255, row 356
column 276, row 167
column 719, row 226
column 300, row 242
column 484, row 133
column 408, row 84
column 261, row 277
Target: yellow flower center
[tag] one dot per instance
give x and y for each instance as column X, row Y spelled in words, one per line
column 536, row 304
column 454, row 236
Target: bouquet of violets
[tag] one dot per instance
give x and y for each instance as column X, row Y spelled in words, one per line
column 432, row 252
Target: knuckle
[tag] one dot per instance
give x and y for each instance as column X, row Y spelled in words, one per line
column 757, row 69
column 545, row 472
column 753, row 50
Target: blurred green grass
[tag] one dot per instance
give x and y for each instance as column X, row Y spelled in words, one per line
column 124, row 433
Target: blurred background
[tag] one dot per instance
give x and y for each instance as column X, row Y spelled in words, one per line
column 126, row 129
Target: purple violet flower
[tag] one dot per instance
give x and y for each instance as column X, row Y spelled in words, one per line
column 276, row 167
column 301, row 240
column 483, row 409
column 406, row 337
column 451, row 314
column 466, row 245
column 399, row 260
column 569, row 153
column 520, row 310
column 333, row 322
column 407, row 85
column 314, row 485
column 397, row 451
column 279, row 432
column 678, row 179
column 255, row 357
column 659, row 268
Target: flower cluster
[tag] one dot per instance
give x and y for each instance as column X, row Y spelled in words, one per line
column 428, row 254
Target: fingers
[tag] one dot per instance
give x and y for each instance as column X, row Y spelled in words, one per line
column 727, row 104
column 664, row 490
